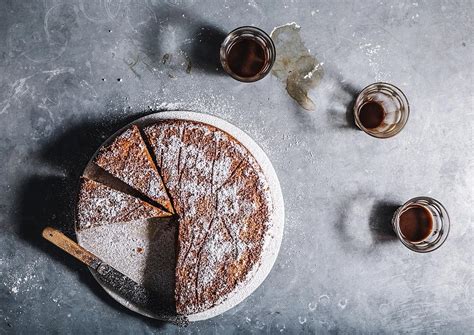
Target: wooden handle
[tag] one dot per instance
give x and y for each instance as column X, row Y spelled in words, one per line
column 62, row 241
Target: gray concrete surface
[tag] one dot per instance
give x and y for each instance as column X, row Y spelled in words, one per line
column 339, row 270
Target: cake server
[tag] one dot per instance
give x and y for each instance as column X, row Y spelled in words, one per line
column 117, row 281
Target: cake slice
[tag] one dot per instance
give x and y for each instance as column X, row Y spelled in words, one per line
column 99, row 204
column 127, row 158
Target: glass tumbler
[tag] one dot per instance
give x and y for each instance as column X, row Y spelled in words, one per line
column 247, row 54
column 439, row 227
column 381, row 110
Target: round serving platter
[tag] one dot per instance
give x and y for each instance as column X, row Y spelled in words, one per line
column 118, row 244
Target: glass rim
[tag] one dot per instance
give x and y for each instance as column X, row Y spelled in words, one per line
column 270, row 46
column 405, row 242
column 399, row 92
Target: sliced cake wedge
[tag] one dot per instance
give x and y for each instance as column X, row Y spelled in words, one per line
column 99, row 204
column 128, row 159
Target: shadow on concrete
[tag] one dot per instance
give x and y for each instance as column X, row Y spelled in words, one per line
column 380, row 222
column 179, row 37
column 364, row 223
column 343, row 100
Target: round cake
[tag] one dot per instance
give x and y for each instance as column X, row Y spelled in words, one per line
column 220, row 203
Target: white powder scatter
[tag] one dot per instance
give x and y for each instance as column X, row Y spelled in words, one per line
column 369, row 48
column 313, row 12
column 253, row 3
column 324, row 299
column 342, row 304
column 214, row 103
column 312, row 306
column 259, row 324
column 384, row 309
column 18, row 283
column 373, row 54
column 281, row 327
column 301, row 320
column 167, row 106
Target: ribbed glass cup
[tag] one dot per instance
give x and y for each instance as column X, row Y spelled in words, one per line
column 440, row 228
column 395, row 106
column 259, row 36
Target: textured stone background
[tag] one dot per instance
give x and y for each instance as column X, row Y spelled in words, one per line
column 339, row 270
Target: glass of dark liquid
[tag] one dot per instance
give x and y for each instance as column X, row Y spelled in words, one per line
column 422, row 224
column 381, row 110
column 247, row 54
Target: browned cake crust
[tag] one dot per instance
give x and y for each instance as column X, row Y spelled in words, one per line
column 99, row 204
column 222, row 199
column 127, row 158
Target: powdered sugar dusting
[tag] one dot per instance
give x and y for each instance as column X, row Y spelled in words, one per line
column 25, row 282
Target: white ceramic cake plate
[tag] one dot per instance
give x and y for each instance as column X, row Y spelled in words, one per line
column 124, row 237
